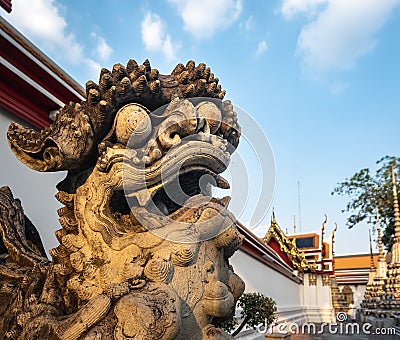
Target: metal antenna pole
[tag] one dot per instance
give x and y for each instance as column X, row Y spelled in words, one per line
column 298, row 191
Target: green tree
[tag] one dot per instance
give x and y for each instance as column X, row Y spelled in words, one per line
column 257, row 309
column 368, row 191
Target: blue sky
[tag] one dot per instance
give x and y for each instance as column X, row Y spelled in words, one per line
column 320, row 77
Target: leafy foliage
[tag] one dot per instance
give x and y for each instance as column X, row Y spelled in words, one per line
column 257, row 309
column 228, row 324
column 368, row 191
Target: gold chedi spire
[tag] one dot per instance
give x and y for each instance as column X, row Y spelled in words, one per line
column 378, row 227
column 372, row 265
column 372, row 270
column 392, row 281
column 382, row 266
column 396, row 209
column 396, row 244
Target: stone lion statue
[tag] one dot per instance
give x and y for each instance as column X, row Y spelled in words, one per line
column 144, row 247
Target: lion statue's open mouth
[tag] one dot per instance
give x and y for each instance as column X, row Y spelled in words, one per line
column 144, row 246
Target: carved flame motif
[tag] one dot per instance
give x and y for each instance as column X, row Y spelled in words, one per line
column 144, row 248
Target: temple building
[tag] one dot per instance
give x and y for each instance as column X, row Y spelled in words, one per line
column 352, row 272
column 310, row 256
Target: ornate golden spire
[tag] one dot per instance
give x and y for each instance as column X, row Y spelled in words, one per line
column 396, row 210
column 372, row 266
column 378, row 227
column 382, row 266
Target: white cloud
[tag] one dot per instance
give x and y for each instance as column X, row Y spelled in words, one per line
column 249, row 23
column 103, row 50
column 154, row 36
column 41, row 21
column 262, row 47
column 309, row 7
column 339, row 33
column 202, row 18
column 93, row 67
column 247, row 26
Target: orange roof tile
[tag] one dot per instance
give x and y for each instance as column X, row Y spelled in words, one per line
column 354, row 261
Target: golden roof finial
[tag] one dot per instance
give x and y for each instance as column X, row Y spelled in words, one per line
column 378, row 227
column 273, row 219
column 396, row 209
column 322, row 230
column 334, row 229
column 372, row 266
column 294, row 226
column 323, row 223
column 333, row 248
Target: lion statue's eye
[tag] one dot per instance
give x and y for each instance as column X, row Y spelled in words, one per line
column 133, row 124
column 211, row 113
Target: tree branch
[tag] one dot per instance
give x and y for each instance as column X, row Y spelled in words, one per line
column 237, row 331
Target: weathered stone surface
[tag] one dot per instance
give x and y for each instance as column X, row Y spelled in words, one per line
column 144, row 249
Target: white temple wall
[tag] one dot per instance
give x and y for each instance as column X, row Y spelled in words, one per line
column 301, row 293
column 263, row 279
column 317, row 300
column 324, row 301
column 35, row 190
